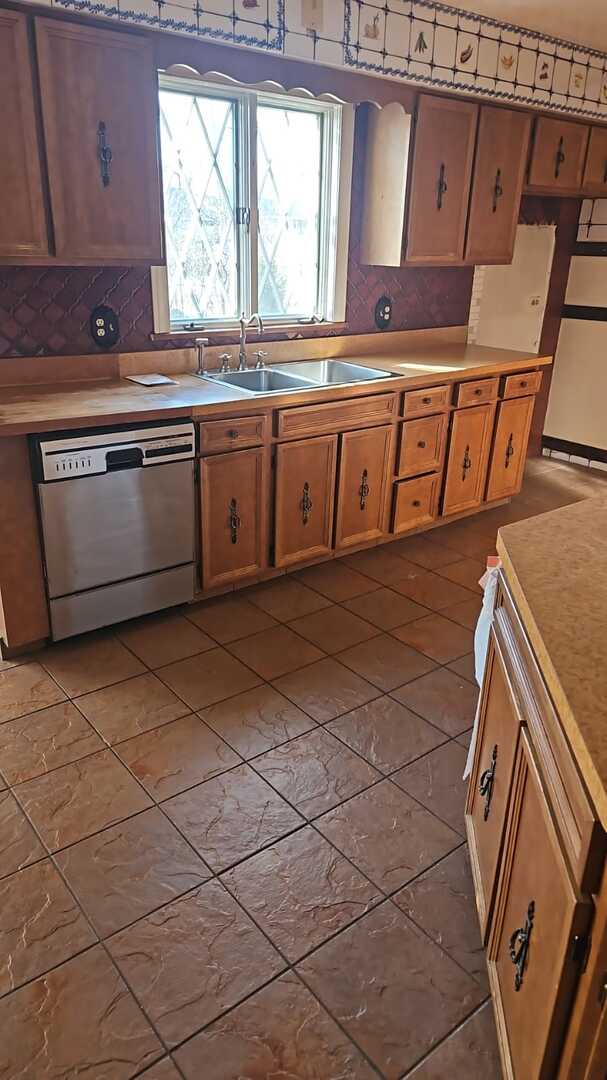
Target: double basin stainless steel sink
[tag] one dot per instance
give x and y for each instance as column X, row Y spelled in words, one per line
column 300, row 375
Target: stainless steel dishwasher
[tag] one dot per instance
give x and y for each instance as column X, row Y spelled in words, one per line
column 118, row 519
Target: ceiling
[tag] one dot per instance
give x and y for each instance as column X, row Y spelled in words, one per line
column 584, row 21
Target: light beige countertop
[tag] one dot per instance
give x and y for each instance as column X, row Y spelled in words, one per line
column 45, row 407
column 556, row 566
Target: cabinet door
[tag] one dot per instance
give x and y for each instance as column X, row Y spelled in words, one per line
column 539, row 924
column 557, row 159
column 99, row 103
column 595, row 172
column 22, row 214
column 468, row 459
column 234, row 514
column 499, row 169
column 440, row 180
column 365, row 475
column 510, row 447
column 305, row 494
column 491, row 777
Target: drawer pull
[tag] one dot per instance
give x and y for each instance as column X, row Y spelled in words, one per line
column 441, row 188
column 559, row 159
column 364, row 490
column 233, row 434
column 523, row 384
column 478, row 391
column 426, row 401
column 466, row 463
column 104, row 154
column 519, row 946
column 416, row 503
column 485, row 786
column 498, row 190
column 422, row 444
column 509, row 450
column 306, row 504
column 235, row 521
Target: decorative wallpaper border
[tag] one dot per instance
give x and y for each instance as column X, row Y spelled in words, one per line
column 445, row 47
column 421, row 41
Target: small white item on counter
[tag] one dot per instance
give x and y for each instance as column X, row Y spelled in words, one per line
column 488, row 583
column 153, row 379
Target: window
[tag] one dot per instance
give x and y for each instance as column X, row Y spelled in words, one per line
column 256, row 204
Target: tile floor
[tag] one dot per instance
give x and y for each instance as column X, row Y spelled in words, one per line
column 231, row 838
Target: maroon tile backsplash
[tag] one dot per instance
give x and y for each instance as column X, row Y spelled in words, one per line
column 45, row 311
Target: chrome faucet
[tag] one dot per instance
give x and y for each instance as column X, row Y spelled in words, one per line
column 244, row 326
column 201, row 344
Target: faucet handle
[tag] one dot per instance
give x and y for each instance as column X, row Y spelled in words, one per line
column 225, row 358
column 261, row 358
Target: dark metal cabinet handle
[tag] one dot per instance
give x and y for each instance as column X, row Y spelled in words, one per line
column 559, row 158
column 235, row 521
column 233, row 434
column 364, row 489
column 498, row 190
column 485, row 786
column 509, row 451
column 422, row 444
column 441, row 188
column 416, row 503
column 306, row 504
column 519, row 946
column 104, row 153
column 523, row 384
column 478, row 391
column 426, row 401
column 466, row 463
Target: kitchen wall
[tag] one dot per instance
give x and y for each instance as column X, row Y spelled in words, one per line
column 576, row 421
column 46, row 311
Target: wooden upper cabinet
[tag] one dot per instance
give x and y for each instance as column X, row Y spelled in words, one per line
column 499, row 171
column 440, row 180
column 595, row 172
column 99, row 109
column 558, row 155
column 365, row 474
column 23, row 229
column 234, row 516
column 305, row 493
column 540, row 920
column 469, row 447
column 509, row 447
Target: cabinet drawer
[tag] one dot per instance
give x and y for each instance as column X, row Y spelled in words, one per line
column 335, row 416
column 477, row 392
column 539, row 918
column 415, row 502
column 422, row 445
column 528, row 382
column 423, row 402
column 235, row 434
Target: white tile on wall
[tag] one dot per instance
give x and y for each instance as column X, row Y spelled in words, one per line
column 525, row 72
column 445, row 43
column 398, row 33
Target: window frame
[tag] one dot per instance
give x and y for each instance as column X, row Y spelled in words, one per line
column 335, row 186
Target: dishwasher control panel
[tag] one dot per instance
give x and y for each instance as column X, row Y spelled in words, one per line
column 93, row 453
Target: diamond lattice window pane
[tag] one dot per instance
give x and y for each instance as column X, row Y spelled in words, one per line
column 289, row 144
column 198, row 138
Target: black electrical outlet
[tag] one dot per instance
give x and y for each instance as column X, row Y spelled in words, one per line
column 105, row 328
column 383, row 313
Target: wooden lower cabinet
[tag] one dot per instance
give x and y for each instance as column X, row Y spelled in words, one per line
column 234, row 516
column 509, row 447
column 365, row 470
column 491, row 777
column 468, row 459
column 539, row 919
column 304, row 499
